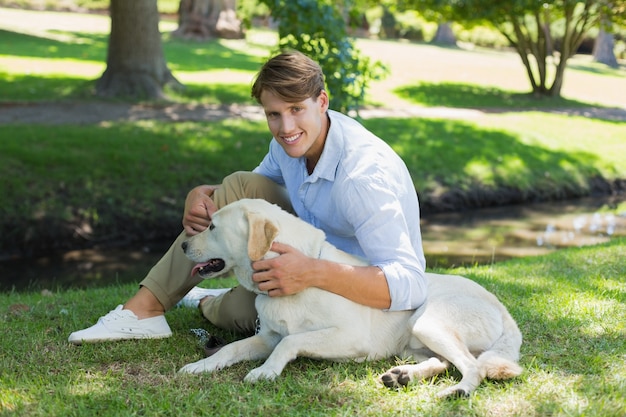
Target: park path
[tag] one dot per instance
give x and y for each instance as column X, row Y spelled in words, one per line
column 94, row 112
column 97, row 112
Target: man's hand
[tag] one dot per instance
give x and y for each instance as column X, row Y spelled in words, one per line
column 287, row 274
column 199, row 208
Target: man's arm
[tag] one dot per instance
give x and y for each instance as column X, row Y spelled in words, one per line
column 292, row 272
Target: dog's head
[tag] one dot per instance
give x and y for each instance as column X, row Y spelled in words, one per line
column 240, row 233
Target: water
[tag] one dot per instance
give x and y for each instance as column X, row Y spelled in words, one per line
column 496, row 234
column 450, row 239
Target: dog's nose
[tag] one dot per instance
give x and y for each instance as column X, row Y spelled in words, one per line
column 184, row 245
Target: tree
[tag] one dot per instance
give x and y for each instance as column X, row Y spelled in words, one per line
column 136, row 65
column 604, row 46
column 530, row 26
column 317, row 28
column 206, row 19
column 604, row 49
column 444, row 35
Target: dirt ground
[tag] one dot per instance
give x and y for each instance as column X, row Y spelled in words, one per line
column 94, row 112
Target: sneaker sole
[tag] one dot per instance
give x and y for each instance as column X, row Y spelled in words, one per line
column 118, row 339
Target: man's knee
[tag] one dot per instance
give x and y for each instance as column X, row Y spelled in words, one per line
column 244, row 184
column 234, row 311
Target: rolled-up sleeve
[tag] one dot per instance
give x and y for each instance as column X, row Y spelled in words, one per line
column 390, row 237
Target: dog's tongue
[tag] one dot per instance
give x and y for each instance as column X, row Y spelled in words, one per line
column 196, row 268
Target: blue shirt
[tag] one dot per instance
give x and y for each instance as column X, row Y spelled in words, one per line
column 362, row 196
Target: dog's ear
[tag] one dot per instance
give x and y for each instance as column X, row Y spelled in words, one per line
column 261, row 235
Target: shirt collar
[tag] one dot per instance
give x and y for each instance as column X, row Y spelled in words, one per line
column 326, row 167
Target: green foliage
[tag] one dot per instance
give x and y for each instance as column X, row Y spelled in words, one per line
column 410, row 25
column 483, row 36
column 317, row 29
column 247, row 10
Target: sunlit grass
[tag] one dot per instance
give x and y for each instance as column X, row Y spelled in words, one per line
column 506, row 150
column 570, row 306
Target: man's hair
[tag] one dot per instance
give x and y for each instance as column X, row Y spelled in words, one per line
column 291, row 76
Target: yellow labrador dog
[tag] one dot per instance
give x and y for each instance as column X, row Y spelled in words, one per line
column 460, row 324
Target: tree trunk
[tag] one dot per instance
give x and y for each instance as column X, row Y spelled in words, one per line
column 444, row 35
column 532, row 38
column 136, row 66
column 604, row 49
column 206, row 19
column 388, row 24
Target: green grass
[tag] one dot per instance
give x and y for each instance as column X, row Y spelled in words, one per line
column 570, row 306
column 451, row 94
column 165, row 6
column 125, row 178
column 129, row 178
column 85, row 50
column 119, row 179
column 505, row 151
column 134, row 176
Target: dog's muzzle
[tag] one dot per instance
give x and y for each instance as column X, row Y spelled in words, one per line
column 210, row 267
column 205, row 269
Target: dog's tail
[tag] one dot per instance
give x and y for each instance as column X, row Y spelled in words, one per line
column 500, row 361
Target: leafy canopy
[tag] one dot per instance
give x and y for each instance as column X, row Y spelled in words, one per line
column 545, row 34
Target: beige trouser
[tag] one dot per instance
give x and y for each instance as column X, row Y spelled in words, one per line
column 170, row 279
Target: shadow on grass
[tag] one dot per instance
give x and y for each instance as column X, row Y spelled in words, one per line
column 469, row 166
column 180, row 55
column 37, row 87
column 495, row 100
column 450, row 94
column 127, row 179
column 60, row 87
column 599, row 69
column 78, row 46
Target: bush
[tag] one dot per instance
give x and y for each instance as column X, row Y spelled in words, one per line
column 483, row 36
column 318, row 30
column 410, row 25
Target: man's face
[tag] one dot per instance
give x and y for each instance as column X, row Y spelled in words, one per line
column 301, row 127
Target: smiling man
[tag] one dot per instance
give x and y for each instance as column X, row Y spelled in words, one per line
column 327, row 169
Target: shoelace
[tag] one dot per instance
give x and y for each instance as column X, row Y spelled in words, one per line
column 114, row 315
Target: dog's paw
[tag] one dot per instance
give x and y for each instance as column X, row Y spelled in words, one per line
column 260, row 374
column 453, row 392
column 203, row 365
column 396, row 377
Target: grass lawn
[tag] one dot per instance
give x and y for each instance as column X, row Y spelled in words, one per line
column 120, row 179
column 570, row 306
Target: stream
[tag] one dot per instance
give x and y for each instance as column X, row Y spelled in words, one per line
column 450, row 239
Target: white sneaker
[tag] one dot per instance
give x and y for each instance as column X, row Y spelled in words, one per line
column 122, row 324
column 193, row 297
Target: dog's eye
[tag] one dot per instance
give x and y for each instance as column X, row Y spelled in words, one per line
column 211, row 226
